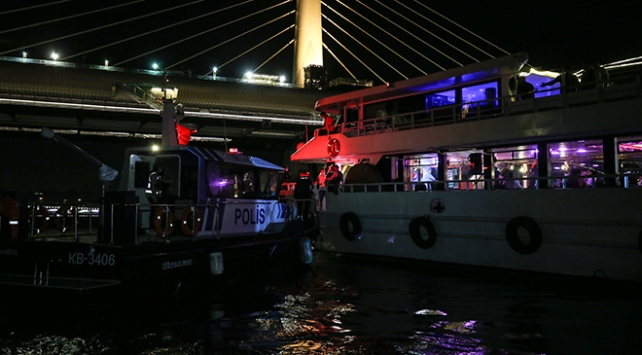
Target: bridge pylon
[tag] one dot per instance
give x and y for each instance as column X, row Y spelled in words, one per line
column 308, row 39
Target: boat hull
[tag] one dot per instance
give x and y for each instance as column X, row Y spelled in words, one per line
column 45, row 266
column 581, row 232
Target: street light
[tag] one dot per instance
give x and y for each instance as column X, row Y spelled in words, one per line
column 106, row 63
column 54, row 55
column 155, row 66
column 214, row 73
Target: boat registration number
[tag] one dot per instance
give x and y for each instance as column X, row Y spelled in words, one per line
column 92, row 259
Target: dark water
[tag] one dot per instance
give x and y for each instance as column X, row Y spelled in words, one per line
column 341, row 306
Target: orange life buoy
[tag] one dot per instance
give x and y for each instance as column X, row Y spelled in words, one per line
column 190, row 221
column 334, row 146
column 163, row 222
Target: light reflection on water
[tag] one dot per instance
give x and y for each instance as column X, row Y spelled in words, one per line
column 341, row 306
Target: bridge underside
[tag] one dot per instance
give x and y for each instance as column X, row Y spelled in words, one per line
column 109, row 102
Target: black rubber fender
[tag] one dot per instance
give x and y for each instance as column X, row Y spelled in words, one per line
column 534, row 232
column 350, row 226
column 414, row 228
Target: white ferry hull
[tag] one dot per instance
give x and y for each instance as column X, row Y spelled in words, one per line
column 584, row 232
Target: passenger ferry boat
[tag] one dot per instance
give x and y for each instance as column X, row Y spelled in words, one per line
column 459, row 167
column 223, row 217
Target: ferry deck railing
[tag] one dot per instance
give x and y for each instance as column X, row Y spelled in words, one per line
column 554, row 182
column 619, row 88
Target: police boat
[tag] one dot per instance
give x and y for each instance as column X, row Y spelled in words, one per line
column 210, row 214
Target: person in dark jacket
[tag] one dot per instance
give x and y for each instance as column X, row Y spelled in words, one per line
column 303, row 194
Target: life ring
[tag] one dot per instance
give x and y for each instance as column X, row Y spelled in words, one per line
column 61, row 216
column 160, row 222
column 334, row 146
column 350, row 226
column 190, row 218
column 534, row 232
column 414, row 228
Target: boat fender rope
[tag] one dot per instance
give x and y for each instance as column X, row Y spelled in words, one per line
column 350, row 226
column 414, row 228
column 160, row 223
column 190, row 218
column 534, row 233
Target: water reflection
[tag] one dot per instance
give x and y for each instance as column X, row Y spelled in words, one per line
column 338, row 307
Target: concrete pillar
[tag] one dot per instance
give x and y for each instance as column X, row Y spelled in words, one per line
column 308, row 40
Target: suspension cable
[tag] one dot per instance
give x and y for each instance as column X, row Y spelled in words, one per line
column 273, row 55
column 99, row 28
column 408, row 32
column 339, row 60
column 32, row 7
column 157, row 29
column 353, row 55
column 391, row 35
column 377, row 40
column 199, row 34
column 465, row 29
column 362, row 45
column 69, row 17
column 231, row 39
column 258, row 45
column 430, row 33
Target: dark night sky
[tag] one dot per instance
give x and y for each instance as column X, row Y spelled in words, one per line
column 555, row 33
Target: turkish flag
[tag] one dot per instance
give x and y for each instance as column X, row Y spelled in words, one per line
column 183, row 134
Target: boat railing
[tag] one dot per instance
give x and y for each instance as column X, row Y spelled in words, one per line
column 124, row 223
column 619, row 88
column 524, row 183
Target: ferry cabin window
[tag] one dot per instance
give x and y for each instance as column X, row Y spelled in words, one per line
column 576, row 164
column 515, row 167
column 630, row 161
column 464, row 171
column 420, row 169
column 478, row 99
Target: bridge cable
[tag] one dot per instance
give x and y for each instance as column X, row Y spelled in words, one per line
column 99, row 28
column 31, row 7
column 199, row 34
column 408, row 32
column 339, row 60
column 69, row 17
column 448, row 31
column 274, row 55
column 364, row 46
column 465, row 29
column 402, row 42
column 160, row 28
column 353, row 55
column 377, row 40
column 434, row 35
column 267, row 40
column 233, row 38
